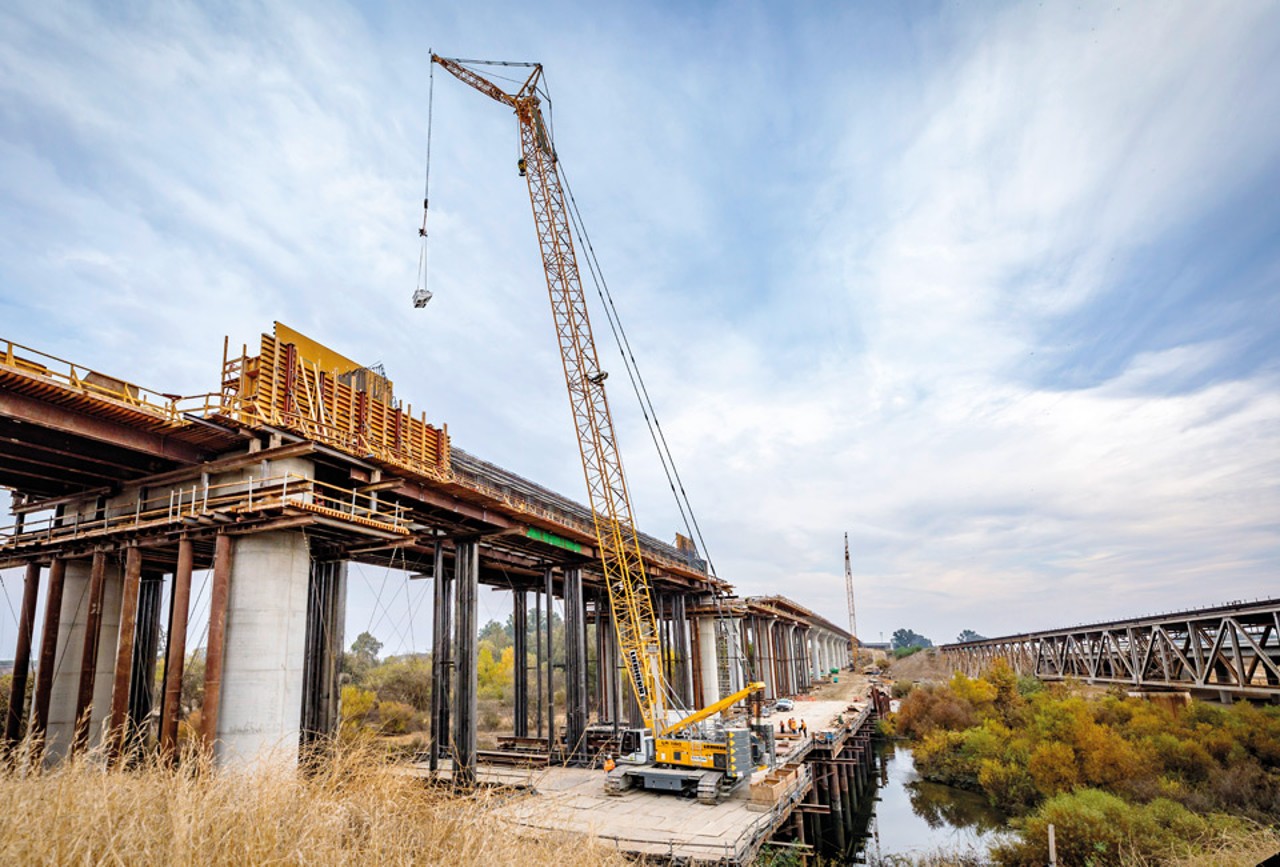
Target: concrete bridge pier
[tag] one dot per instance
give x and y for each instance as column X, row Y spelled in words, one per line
column 264, row 655
column 89, row 621
column 708, row 661
column 767, row 653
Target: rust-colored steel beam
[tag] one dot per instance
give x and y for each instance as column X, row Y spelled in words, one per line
column 215, row 651
column 45, row 414
column 118, row 728
column 22, row 655
column 89, row 656
column 48, row 650
column 428, row 496
column 176, row 652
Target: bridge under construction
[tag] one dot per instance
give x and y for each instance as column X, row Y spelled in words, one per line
column 301, row 463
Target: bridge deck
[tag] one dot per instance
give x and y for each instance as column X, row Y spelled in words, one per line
column 659, row 825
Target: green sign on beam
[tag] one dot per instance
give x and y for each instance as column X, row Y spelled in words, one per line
column 553, row 539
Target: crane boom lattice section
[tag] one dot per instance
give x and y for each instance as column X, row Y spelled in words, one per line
column 630, row 599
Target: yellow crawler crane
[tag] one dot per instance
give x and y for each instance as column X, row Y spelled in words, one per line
column 676, row 750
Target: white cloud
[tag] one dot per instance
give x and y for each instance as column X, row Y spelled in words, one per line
column 837, row 266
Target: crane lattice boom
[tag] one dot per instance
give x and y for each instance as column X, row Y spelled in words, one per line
column 848, row 587
column 628, row 586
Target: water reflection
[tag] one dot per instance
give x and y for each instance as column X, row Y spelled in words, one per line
column 943, row 806
column 909, row 816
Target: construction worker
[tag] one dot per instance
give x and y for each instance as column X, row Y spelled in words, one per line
column 804, row 728
column 609, row 763
column 791, row 724
column 782, row 727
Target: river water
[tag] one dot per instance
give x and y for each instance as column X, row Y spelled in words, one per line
column 912, row 817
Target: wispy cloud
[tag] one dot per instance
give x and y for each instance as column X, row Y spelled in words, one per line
column 994, row 291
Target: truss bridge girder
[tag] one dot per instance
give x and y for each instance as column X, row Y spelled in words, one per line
column 1227, row 650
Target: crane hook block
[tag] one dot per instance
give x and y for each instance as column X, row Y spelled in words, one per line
column 522, row 166
column 420, row 297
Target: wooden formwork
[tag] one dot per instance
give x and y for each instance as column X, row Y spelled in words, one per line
column 282, row 388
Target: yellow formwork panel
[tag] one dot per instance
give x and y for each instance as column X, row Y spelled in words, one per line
column 284, row 387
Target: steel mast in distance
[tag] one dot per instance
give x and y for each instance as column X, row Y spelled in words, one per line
column 853, row 614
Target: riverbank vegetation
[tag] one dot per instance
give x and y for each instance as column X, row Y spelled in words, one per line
column 1121, row 779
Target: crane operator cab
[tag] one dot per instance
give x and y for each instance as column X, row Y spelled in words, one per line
column 635, row 746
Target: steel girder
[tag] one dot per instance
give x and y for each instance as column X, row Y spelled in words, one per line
column 1230, row 649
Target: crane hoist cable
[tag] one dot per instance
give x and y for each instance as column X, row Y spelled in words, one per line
column 647, row 408
column 421, row 294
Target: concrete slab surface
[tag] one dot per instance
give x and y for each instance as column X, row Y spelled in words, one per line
column 646, row 823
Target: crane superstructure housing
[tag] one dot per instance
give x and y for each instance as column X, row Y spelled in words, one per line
column 679, row 750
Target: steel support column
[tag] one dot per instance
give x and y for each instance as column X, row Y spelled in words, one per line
column 551, row 664
column 575, row 663
column 176, row 652
column 683, row 656
column 537, row 668
column 145, row 644
column 217, row 638
column 520, row 687
column 326, row 616
column 48, row 651
column 22, row 656
column 465, row 688
column 441, row 640
column 117, row 725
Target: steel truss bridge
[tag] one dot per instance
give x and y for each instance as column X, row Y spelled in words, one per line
column 1232, row 650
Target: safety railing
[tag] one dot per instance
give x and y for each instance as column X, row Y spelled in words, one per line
column 179, row 504
column 90, row 382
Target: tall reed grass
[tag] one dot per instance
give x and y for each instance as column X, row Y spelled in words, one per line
column 349, row 808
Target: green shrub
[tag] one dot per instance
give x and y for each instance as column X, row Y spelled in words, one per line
column 1029, row 686
column 1096, row 828
column 1008, row 785
column 405, row 679
column 397, row 718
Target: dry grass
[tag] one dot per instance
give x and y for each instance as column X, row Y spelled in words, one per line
column 1245, row 848
column 353, row 810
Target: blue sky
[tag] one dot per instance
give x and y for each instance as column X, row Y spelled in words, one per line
column 993, row 289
